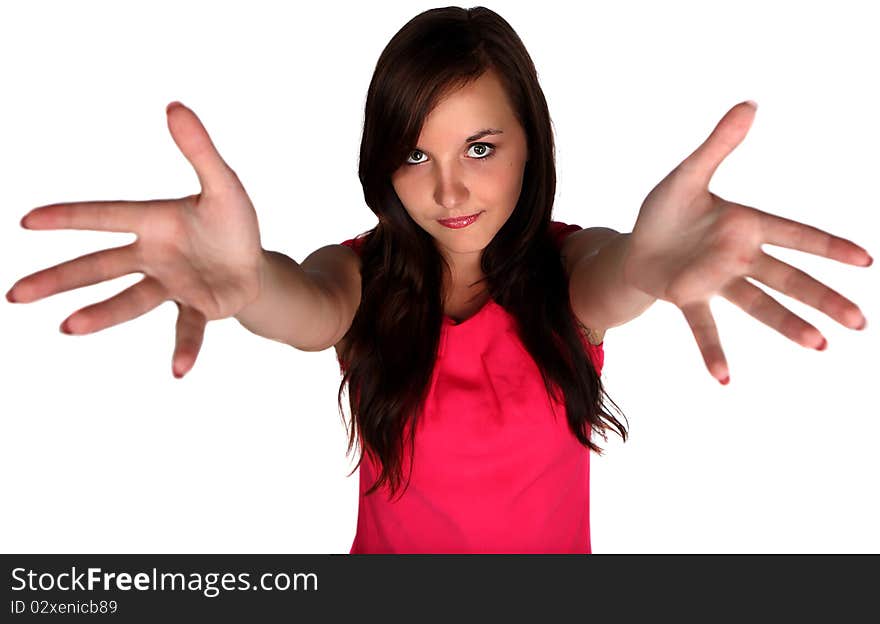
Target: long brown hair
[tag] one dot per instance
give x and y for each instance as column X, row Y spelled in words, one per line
column 389, row 352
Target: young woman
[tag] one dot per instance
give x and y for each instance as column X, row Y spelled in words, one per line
column 468, row 324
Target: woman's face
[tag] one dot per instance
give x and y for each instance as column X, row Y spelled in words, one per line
column 455, row 173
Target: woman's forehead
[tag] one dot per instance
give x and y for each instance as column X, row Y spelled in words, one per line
column 480, row 104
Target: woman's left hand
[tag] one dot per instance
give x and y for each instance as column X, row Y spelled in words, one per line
column 688, row 244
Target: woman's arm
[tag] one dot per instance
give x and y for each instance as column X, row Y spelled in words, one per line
column 308, row 306
column 600, row 296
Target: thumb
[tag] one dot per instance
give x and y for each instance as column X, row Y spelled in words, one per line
column 729, row 133
column 191, row 137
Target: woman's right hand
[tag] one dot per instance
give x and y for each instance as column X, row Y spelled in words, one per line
column 202, row 251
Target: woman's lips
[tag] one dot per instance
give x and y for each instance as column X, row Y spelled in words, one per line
column 459, row 222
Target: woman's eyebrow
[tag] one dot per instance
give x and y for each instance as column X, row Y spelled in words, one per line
column 476, row 135
column 481, row 133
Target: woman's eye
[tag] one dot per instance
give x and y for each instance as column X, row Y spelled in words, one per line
column 481, row 151
column 414, row 152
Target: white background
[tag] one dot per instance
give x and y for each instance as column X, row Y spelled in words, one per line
column 102, row 450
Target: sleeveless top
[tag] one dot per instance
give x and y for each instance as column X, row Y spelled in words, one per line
column 496, row 468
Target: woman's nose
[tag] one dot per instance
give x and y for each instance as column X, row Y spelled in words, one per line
column 450, row 190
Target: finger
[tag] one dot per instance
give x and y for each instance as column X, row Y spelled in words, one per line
column 766, row 309
column 83, row 271
column 193, row 141
column 129, row 304
column 699, row 317
column 782, row 232
column 190, row 332
column 728, row 133
column 795, row 283
column 105, row 216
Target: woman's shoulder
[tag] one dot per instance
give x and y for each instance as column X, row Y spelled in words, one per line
column 559, row 231
column 594, row 338
column 355, row 243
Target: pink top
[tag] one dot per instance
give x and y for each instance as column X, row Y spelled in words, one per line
column 497, row 469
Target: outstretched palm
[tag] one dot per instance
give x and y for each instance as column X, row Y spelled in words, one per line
column 688, row 244
column 202, row 251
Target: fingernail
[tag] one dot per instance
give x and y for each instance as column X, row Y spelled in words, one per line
column 822, row 346
column 168, row 108
column 9, row 297
column 725, row 381
column 870, row 261
column 863, row 325
column 65, row 328
column 753, row 103
column 22, row 223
